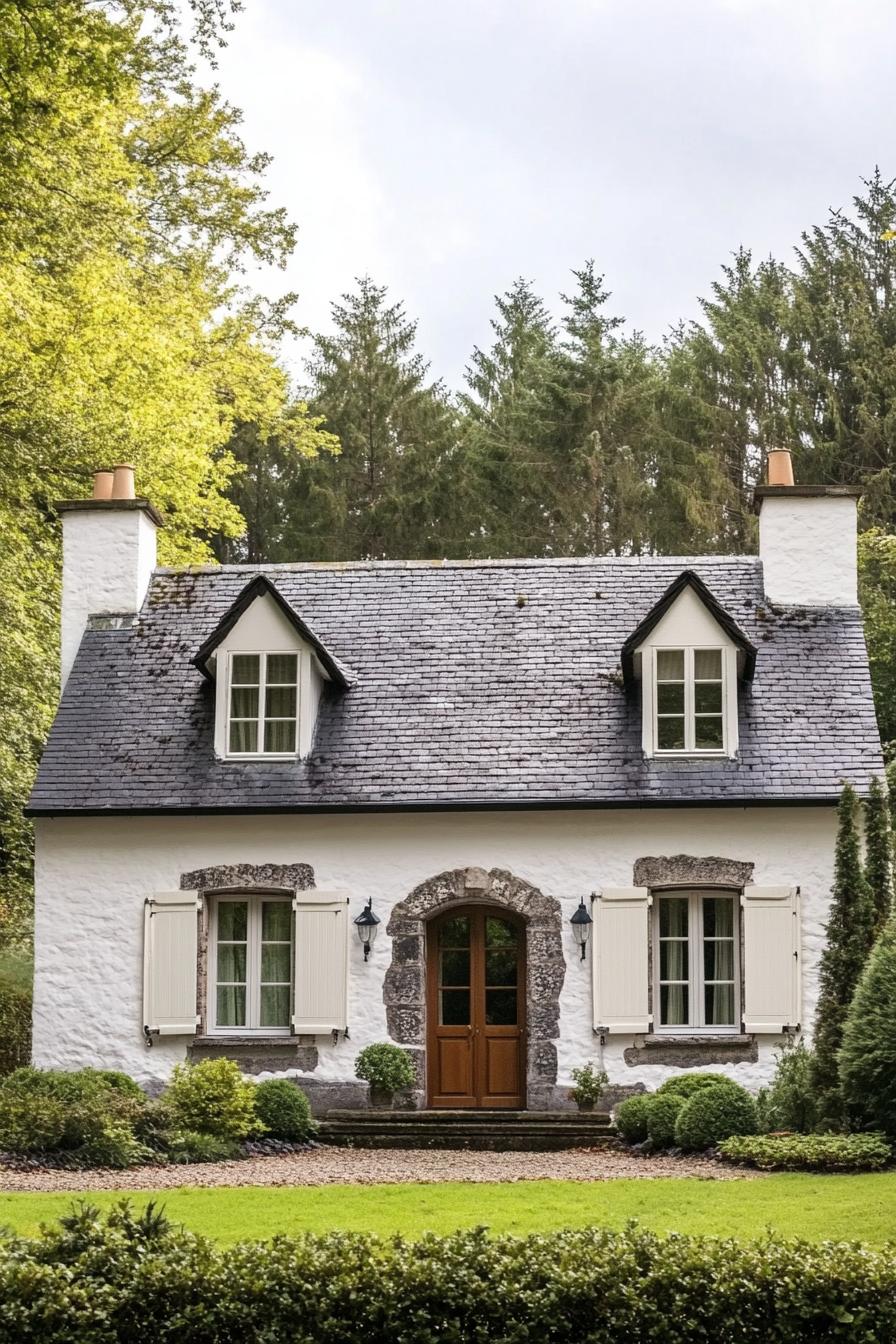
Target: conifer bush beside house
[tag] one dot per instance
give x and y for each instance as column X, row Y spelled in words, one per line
column 867, row 1059
column 879, row 854
column 790, row 1102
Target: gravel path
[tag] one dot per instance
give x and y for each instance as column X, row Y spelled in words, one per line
column 352, row 1166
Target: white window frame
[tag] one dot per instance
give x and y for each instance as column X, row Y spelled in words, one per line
column 254, row 901
column 690, row 725
column 262, row 655
column 696, row 979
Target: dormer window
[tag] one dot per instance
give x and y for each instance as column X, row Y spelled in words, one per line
column 690, row 700
column 264, row 695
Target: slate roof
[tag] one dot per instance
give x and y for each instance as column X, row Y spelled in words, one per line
column 473, row 684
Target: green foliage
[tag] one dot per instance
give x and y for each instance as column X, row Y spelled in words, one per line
column 713, row 1114
column 686, row 1084
column 877, row 593
column 385, row 1066
column 15, row 1004
column 589, row 1084
column 283, row 1109
column 630, row 1118
column 849, row 938
column 809, row 1152
column 867, row 1059
column 213, row 1098
column 98, row 1279
column 879, row 855
column 79, row 1112
column 191, row 1145
column 789, row 1102
column 662, row 1117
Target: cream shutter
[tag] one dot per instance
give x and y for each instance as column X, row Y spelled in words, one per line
column 772, row 954
column 170, row 946
column 620, row 958
column 321, row 968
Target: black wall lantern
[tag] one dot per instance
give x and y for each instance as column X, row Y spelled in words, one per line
column 367, row 924
column 581, row 926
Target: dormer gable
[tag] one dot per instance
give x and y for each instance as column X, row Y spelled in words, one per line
column 689, row 656
column 269, row 670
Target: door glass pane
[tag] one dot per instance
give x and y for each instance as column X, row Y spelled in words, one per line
column 674, row 917
column 455, row 968
column 670, row 664
column 707, row 664
column 674, row 1005
column 231, row 1006
column 244, row 669
column 232, row 963
column 500, row 1007
column 276, row 922
column 719, row 1005
column 454, row 1008
column 500, row 966
column 500, row 933
column 274, row 1006
column 281, row 669
column 670, row 734
column 708, row 733
column 455, row 932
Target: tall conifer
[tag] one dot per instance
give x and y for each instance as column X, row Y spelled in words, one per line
column 878, row 855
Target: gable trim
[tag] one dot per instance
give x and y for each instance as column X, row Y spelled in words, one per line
column 687, row 579
column 261, row 586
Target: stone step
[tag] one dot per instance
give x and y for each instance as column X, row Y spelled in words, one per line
column 471, row 1130
column 584, row 1119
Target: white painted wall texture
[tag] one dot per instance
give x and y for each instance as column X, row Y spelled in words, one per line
column 92, row 876
column 808, row 550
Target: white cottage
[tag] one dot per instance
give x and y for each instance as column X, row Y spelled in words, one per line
column 246, row 758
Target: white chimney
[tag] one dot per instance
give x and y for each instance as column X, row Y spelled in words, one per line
column 807, row 541
column 108, row 555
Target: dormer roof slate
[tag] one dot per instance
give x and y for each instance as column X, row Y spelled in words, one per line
column 475, row 685
column 688, row 579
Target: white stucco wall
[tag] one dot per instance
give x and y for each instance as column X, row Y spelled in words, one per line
column 808, row 550
column 93, row 874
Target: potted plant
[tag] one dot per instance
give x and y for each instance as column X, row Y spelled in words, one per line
column 589, row 1084
column 387, row 1068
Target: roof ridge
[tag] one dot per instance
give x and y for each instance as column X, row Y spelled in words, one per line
column 554, row 562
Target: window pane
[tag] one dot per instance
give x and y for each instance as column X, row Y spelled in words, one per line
column 499, row 933
column 718, row 917
column 276, row 922
column 674, row 917
column 274, row 1006
column 455, row 932
column 281, row 668
column 280, row 735
column 500, row 967
column 719, row 1005
column 707, row 664
column 232, row 921
column 231, row 1006
column 674, row 960
column 454, row 1008
column 674, row 1005
column 708, row 697
column 232, row 963
column 244, row 669
column 243, row 735
column 280, row 702
column 718, row 959
column 670, row 734
column 670, row 697
column 670, row 664
column 244, row 702
column 455, row 968
column 708, row 733
column 500, row 1007
column 275, row 962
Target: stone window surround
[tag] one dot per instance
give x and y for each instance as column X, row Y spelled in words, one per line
column 254, row 1052
column 404, row 987
column 690, row 1049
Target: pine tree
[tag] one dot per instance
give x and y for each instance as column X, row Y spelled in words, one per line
column 867, row 1059
column 849, row 938
column 878, row 855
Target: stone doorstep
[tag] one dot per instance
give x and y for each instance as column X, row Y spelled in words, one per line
column 483, row 1117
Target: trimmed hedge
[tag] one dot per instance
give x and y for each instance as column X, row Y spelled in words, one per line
column 283, row 1109
column 686, row 1084
column 713, row 1114
column 630, row 1118
column 128, row 1277
column 809, row 1152
column 662, row 1116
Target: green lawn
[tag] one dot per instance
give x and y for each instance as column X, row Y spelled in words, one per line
column 815, row 1207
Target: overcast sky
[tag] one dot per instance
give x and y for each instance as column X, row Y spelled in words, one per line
column 448, row 146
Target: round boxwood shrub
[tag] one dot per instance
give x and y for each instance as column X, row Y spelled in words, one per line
column 213, row 1098
column 630, row 1118
column 662, row 1114
column 387, row 1068
column 283, row 1110
column 714, row 1114
column 685, row 1085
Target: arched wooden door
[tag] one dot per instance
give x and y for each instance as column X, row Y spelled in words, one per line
column 476, row 1003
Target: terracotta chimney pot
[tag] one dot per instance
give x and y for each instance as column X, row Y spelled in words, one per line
column 123, row 481
column 102, row 484
column 780, row 467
